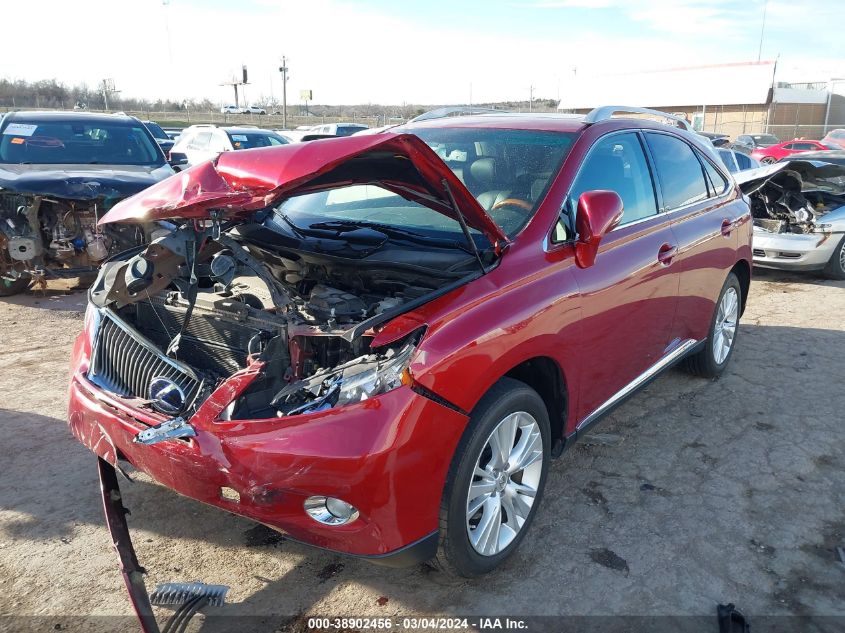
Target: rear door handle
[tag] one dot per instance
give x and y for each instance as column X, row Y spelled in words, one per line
column 666, row 253
column 727, row 227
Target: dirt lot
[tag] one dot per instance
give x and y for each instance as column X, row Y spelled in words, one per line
column 692, row 493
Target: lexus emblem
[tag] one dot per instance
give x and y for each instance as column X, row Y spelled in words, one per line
column 166, row 396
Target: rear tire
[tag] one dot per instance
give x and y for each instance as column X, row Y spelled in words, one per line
column 9, row 288
column 491, row 497
column 835, row 268
column 719, row 346
column 768, row 160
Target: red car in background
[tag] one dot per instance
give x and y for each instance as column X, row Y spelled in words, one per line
column 377, row 344
column 773, row 153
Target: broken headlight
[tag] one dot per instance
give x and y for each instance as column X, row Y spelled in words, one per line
column 355, row 381
column 363, row 381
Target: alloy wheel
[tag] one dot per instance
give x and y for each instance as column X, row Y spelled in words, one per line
column 842, row 257
column 724, row 329
column 504, row 483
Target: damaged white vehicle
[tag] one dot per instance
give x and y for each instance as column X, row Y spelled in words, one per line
column 799, row 216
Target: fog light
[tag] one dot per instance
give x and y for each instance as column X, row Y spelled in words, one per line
column 330, row 511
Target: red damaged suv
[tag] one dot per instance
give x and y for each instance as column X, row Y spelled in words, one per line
column 376, row 344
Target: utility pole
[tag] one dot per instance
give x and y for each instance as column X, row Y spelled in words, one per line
column 107, row 88
column 530, row 97
column 284, row 70
column 762, row 30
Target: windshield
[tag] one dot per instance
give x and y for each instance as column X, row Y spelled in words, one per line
column 507, row 171
column 367, row 206
column 78, row 143
column 250, row 140
column 155, row 130
column 765, row 139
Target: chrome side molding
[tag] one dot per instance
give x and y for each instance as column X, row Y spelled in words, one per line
column 672, row 356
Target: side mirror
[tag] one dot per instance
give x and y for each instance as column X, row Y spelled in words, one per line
column 177, row 159
column 598, row 212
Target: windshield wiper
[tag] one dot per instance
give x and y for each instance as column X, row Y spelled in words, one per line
column 340, row 226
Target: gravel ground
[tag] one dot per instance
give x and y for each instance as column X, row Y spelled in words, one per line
column 692, row 493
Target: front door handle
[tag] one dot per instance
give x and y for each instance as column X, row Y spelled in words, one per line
column 666, row 253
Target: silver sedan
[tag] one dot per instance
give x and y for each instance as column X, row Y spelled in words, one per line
column 799, row 216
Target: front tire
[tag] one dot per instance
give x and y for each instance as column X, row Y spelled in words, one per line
column 711, row 361
column 496, row 480
column 768, row 160
column 835, row 268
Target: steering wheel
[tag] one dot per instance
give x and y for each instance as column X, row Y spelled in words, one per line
column 512, row 202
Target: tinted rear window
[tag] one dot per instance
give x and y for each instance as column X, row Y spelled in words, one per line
column 349, row 130
column 155, row 130
column 251, row 140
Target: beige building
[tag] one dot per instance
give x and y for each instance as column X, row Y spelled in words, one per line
column 729, row 98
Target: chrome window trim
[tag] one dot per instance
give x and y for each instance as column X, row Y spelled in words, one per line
column 676, row 354
column 548, row 244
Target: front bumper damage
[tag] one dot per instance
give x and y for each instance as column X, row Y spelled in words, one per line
column 793, row 251
column 368, row 455
column 385, row 455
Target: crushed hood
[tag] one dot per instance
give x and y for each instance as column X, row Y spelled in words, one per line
column 240, row 183
column 815, row 175
column 81, row 182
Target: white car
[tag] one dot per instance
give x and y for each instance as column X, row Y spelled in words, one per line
column 199, row 143
column 338, row 129
column 254, row 109
column 231, row 109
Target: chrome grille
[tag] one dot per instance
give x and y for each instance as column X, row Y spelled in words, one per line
column 124, row 362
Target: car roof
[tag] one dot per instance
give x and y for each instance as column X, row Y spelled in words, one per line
column 539, row 121
column 61, row 115
column 551, row 122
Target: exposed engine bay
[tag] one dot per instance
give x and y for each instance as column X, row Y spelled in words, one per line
column 791, row 202
column 42, row 235
column 201, row 304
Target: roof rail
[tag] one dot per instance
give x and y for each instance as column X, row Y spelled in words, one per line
column 441, row 113
column 604, row 113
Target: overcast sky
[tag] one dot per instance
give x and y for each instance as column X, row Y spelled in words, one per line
column 394, row 51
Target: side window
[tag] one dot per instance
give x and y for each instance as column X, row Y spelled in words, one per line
column 727, row 158
column 680, row 173
column 791, row 146
column 718, row 183
column 618, row 163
